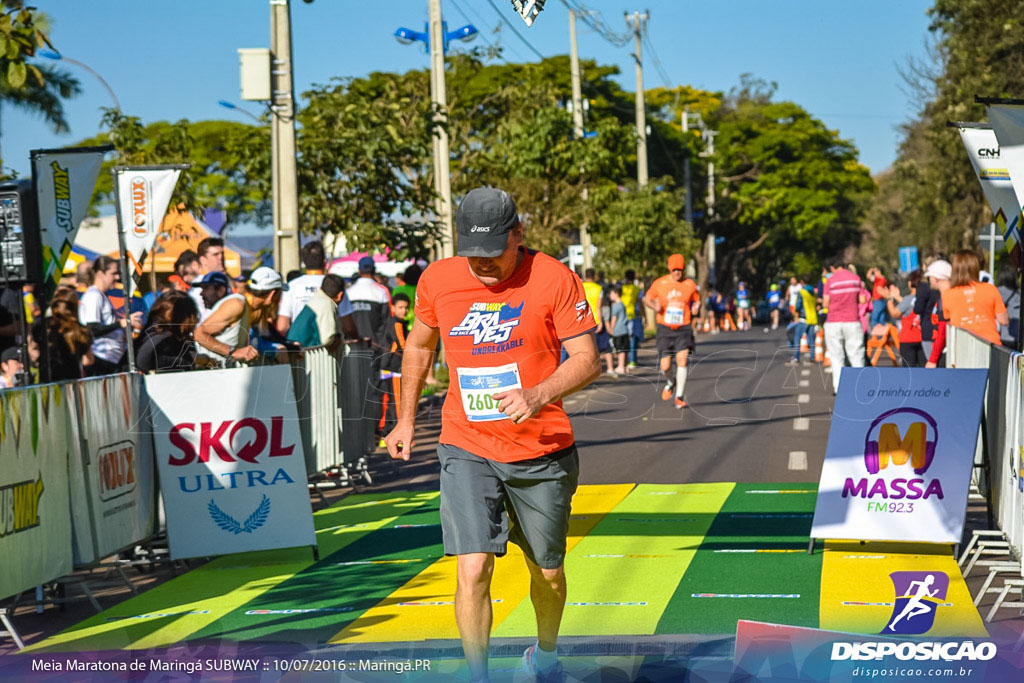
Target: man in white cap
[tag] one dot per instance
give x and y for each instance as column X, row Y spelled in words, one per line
column 509, row 465
column 938, row 274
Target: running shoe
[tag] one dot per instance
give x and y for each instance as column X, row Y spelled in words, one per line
column 680, row 404
column 631, row 365
column 792, row 362
column 553, row 674
column 666, row 393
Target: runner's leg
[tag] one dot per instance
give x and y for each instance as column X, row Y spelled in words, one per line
column 547, row 593
column 682, row 357
column 473, row 609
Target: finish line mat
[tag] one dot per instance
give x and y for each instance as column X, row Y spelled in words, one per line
column 642, row 560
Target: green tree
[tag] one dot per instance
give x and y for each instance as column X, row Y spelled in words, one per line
column 23, row 85
column 789, row 190
column 931, row 194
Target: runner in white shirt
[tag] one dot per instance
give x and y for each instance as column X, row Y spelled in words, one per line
column 301, row 289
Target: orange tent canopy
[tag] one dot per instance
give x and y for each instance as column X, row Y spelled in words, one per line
column 180, row 231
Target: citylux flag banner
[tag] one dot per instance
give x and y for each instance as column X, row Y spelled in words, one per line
column 986, row 158
column 35, row 522
column 899, row 455
column 64, row 180
column 143, row 194
column 113, row 487
column 229, row 453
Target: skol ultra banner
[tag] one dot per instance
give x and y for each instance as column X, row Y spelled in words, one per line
column 898, row 460
column 143, row 195
column 990, row 168
column 113, row 490
column 64, row 179
column 35, row 522
column 229, row 453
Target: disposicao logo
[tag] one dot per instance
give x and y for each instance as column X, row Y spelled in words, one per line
column 918, row 597
column 892, row 448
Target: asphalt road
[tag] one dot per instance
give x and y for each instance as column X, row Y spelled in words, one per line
column 750, row 419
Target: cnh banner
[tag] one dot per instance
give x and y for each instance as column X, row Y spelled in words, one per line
column 64, row 180
column 143, row 193
column 990, row 169
column 113, row 480
column 229, row 453
column 35, row 522
column 899, row 455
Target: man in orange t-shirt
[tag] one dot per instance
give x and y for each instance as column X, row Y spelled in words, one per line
column 504, row 313
column 675, row 299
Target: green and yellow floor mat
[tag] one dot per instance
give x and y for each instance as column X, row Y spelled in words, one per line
column 642, row 560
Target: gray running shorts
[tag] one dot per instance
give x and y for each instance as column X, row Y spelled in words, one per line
column 476, row 494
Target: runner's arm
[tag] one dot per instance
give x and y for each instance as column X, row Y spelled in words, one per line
column 215, row 324
column 419, row 352
column 652, row 303
column 580, row 369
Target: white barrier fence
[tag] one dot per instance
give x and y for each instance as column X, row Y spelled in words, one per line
column 77, row 465
column 1004, row 425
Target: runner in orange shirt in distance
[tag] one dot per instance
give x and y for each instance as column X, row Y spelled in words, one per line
column 675, row 299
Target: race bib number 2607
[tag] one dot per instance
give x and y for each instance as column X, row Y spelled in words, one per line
column 478, row 386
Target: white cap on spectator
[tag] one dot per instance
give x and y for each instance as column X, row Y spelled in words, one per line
column 264, row 279
column 940, row 270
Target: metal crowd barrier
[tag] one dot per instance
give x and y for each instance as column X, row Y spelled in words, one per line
column 1002, row 480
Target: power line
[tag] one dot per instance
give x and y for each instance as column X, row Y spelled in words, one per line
column 592, row 18
column 469, row 21
column 513, row 29
column 657, row 62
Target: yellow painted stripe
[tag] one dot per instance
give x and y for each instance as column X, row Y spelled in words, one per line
column 852, row 572
column 657, row 530
column 391, row 622
column 155, row 619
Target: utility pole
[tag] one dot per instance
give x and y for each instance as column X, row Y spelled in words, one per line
column 282, row 126
column 439, row 96
column 577, row 127
column 709, row 150
column 638, row 24
column 686, row 166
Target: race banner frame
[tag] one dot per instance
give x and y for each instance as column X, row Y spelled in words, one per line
column 899, row 455
column 984, row 152
column 64, row 180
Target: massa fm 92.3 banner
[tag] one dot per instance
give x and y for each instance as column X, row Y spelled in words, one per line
column 899, row 455
column 229, row 453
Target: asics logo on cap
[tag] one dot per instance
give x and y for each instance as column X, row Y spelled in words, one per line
column 480, row 228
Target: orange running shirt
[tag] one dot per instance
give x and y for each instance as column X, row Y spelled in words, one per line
column 974, row 307
column 674, row 300
column 494, row 337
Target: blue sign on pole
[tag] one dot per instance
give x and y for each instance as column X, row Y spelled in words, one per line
column 908, row 259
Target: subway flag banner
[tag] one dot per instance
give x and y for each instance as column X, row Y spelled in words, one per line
column 64, row 180
column 990, row 168
column 143, row 194
column 229, row 453
column 35, row 522
column 898, row 460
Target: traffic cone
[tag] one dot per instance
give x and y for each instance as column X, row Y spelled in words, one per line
column 819, row 346
column 803, row 343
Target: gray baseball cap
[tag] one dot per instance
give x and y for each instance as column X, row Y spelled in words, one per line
column 485, row 218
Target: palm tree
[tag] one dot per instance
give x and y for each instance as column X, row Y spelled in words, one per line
column 44, row 100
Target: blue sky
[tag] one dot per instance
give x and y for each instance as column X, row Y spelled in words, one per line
column 175, row 59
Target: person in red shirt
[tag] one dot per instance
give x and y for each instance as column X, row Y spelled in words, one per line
column 675, row 299
column 879, row 298
column 503, row 313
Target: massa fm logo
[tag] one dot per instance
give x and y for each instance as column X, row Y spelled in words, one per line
column 885, row 446
column 489, row 323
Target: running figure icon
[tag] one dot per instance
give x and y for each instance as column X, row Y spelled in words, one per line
column 915, row 605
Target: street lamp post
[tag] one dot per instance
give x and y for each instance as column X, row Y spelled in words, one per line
column 231, row 105
column 436, row 38
column 49, row 54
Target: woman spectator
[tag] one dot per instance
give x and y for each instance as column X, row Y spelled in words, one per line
column 68, row 342
column 166, row 343
column 1009, row 291
column 902, row 308
column 972, row 305
column 97, row 313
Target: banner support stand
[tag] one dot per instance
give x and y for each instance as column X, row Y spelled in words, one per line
column 986, row 468
column 810, row 546
column 8, row 628
column 127, row 283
